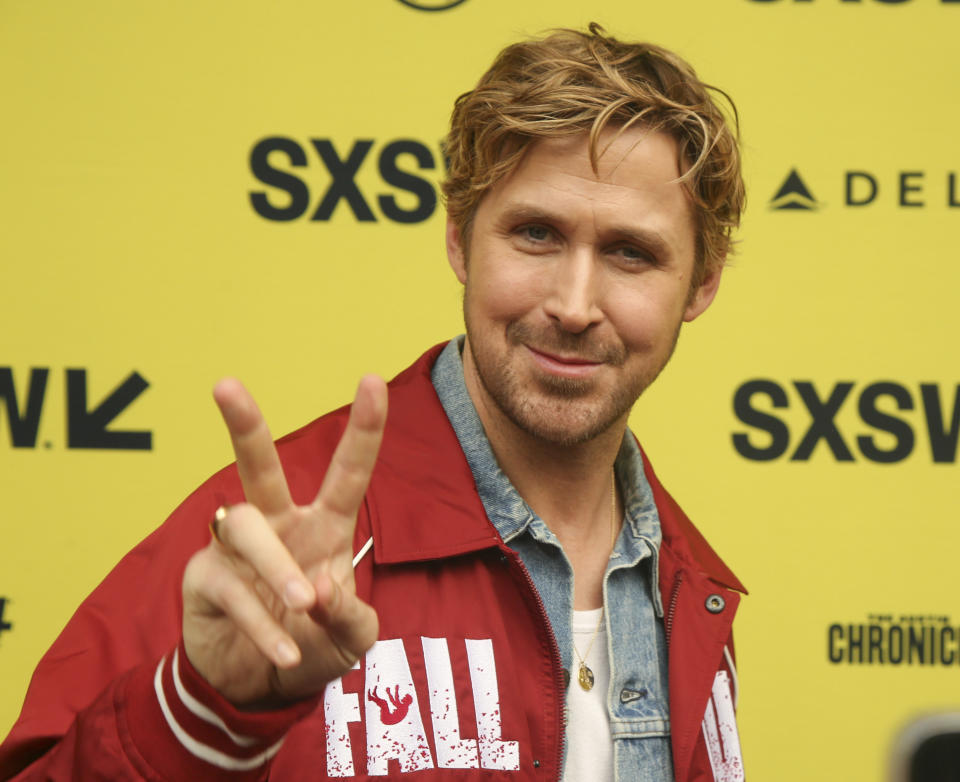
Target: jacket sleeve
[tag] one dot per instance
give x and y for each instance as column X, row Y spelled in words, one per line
column 164, row 722
column 104, row 701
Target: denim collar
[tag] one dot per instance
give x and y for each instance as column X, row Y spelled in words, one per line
column 507, row 510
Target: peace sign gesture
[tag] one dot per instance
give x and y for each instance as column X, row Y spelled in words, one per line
column 270, row 611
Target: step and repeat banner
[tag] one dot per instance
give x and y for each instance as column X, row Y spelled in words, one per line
column 194, row 189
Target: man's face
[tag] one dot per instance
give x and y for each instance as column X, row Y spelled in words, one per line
column 577, row 284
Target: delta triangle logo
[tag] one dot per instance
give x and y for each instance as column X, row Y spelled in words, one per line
column 794, row 194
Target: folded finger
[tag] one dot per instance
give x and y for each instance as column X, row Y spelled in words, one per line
column 264, row 483
column 224, row 590
column 247, row 535
column 356, row 454
column 350, row 623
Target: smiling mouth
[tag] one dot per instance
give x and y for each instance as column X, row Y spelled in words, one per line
column 573, row 360
column 569, row 366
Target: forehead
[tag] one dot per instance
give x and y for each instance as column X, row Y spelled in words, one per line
column 635, row 183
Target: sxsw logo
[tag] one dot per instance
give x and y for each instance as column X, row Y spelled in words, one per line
column 86, row 425
column 885, row 434
column 286, row 166
column 906, row 189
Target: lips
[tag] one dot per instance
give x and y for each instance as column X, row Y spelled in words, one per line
column 562, row 353
column 572, row 360
column 567, row 366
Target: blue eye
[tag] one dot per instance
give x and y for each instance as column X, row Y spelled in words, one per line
column 635, row 254
column 536, row 233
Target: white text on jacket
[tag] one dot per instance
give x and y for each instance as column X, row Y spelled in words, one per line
column 394, row 717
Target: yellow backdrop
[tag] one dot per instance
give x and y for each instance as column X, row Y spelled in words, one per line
column 161, row 168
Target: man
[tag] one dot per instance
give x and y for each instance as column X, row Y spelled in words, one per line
column 491, row 582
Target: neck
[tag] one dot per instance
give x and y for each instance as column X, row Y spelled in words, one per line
column 568, row 487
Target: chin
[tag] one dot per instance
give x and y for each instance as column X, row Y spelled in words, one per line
column 564, row 423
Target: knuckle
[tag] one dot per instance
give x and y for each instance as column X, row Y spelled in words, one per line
column 238, row 525
column 195, row 574
column 229, row 592
column 345, row 659
column 230, row 524
column 357, row 468
column 350, row 479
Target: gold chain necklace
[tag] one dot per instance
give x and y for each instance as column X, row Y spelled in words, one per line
column 585, row 674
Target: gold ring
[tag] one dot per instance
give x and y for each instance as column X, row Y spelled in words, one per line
column 218, row 515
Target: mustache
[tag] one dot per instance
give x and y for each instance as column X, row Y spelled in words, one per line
column 552, row 339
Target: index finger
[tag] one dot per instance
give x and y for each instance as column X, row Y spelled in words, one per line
column 353, row 460
column 264, row 483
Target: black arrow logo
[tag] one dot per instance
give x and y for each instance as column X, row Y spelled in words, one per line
column 88, row 428
column 794, row 194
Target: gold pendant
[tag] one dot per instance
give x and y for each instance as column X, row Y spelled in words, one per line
column 585, row 677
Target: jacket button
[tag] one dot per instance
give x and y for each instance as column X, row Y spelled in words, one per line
column 715, row 604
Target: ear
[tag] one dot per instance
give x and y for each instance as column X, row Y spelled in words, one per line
column 704, row 295
column 455, row 254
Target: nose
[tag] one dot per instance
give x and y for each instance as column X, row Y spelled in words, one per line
column 572, row 300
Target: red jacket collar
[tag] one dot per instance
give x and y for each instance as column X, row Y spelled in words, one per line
column 422, row 460
column 681, row 536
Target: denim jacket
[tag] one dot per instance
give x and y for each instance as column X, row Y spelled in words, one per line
column 637, row 699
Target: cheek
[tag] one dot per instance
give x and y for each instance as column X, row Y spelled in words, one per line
column 645, row 318
column 506, row 292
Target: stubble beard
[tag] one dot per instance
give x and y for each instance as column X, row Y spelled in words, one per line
column 558, row 410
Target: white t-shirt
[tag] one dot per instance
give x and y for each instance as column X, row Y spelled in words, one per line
column 589, row 746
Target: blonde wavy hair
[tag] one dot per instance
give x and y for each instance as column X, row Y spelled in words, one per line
column 572, row 82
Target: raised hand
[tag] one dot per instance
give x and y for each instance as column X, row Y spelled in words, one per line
column 270, row 611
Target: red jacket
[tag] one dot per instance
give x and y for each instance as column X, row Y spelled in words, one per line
column 466, row 674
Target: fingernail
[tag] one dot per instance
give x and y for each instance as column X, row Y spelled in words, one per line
column 286, row 653
column 296, row 594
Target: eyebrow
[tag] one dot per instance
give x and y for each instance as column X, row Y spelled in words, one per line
column 649, row 239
